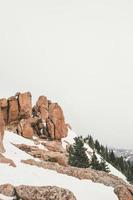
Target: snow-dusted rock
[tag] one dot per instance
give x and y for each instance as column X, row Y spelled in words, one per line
column 43, row 193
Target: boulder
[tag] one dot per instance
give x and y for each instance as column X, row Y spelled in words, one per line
column 7, row 190
column 55, row 146
column 57, row 118
column 25, row 105
column 4, row 109
column 2, row 128
column 43, row 193
column 42, row 107
column 45, row 155
column 13, row 112
column 123, row 193
column 50, row 128
column 26, row 129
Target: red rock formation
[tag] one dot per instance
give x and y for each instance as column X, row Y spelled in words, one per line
column 45, row 119
column 13, row 112
column 4, row 106
column 25, row 105
column 51, row 129
column 57, row 118
column 2, row 127
column 52, row 115
column 42, row 107
column 26, row 129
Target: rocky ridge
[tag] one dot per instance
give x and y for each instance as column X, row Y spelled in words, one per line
column 123, row 190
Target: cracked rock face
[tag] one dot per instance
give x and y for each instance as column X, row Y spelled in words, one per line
column 45, row 119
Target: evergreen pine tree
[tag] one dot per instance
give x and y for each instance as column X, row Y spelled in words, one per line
column 112, row 157
column 106, row 154
column 97, row 146
column 104, row 166
column 103, row 151
column 91, row 142
column 77, row 154
column 94, row 162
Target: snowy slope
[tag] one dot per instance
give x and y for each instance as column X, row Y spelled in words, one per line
column 70, row 139
column 32, row 175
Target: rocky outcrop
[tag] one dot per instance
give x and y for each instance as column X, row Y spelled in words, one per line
column 55, row 146
column 121, row 188
column 52, row 116
column 13, row 109
column 4, row 106
column 25, row 128
column 36, row 193
column 123, row 193
column 7, row 190
column 43, row 193
column 45, row 119
column 25, row 105
column 42, row 108
column 16, row 107
column 80, row 173
column 57, row 118
column 45, row 155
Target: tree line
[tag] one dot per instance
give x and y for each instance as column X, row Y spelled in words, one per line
column 78, row 157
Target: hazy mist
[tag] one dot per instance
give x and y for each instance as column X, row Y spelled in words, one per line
column 77, row 53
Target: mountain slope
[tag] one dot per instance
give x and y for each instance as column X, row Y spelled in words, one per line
column 70, row 140
column 32, row 175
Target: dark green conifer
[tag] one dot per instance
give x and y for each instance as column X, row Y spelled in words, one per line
column 77, row 154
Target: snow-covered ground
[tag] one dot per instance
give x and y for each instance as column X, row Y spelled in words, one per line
column 32, row 175
column 5, row 197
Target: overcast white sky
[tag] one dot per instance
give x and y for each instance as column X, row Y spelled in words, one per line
column 78, row 53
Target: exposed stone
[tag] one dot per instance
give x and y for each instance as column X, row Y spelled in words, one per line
column 51, row 128
column 5, row 160
column 2, row 127
column 80, row 173
column 123, row 193
column 4, row 106
column 25, row 129
column 42, row 107
column 13, row 112
column 121, row 188
column 46, row 119
column 60, row 158
column 7, row 190
column 25, row 105
column 43, row 193
column 55, row 146
column 57, row 118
